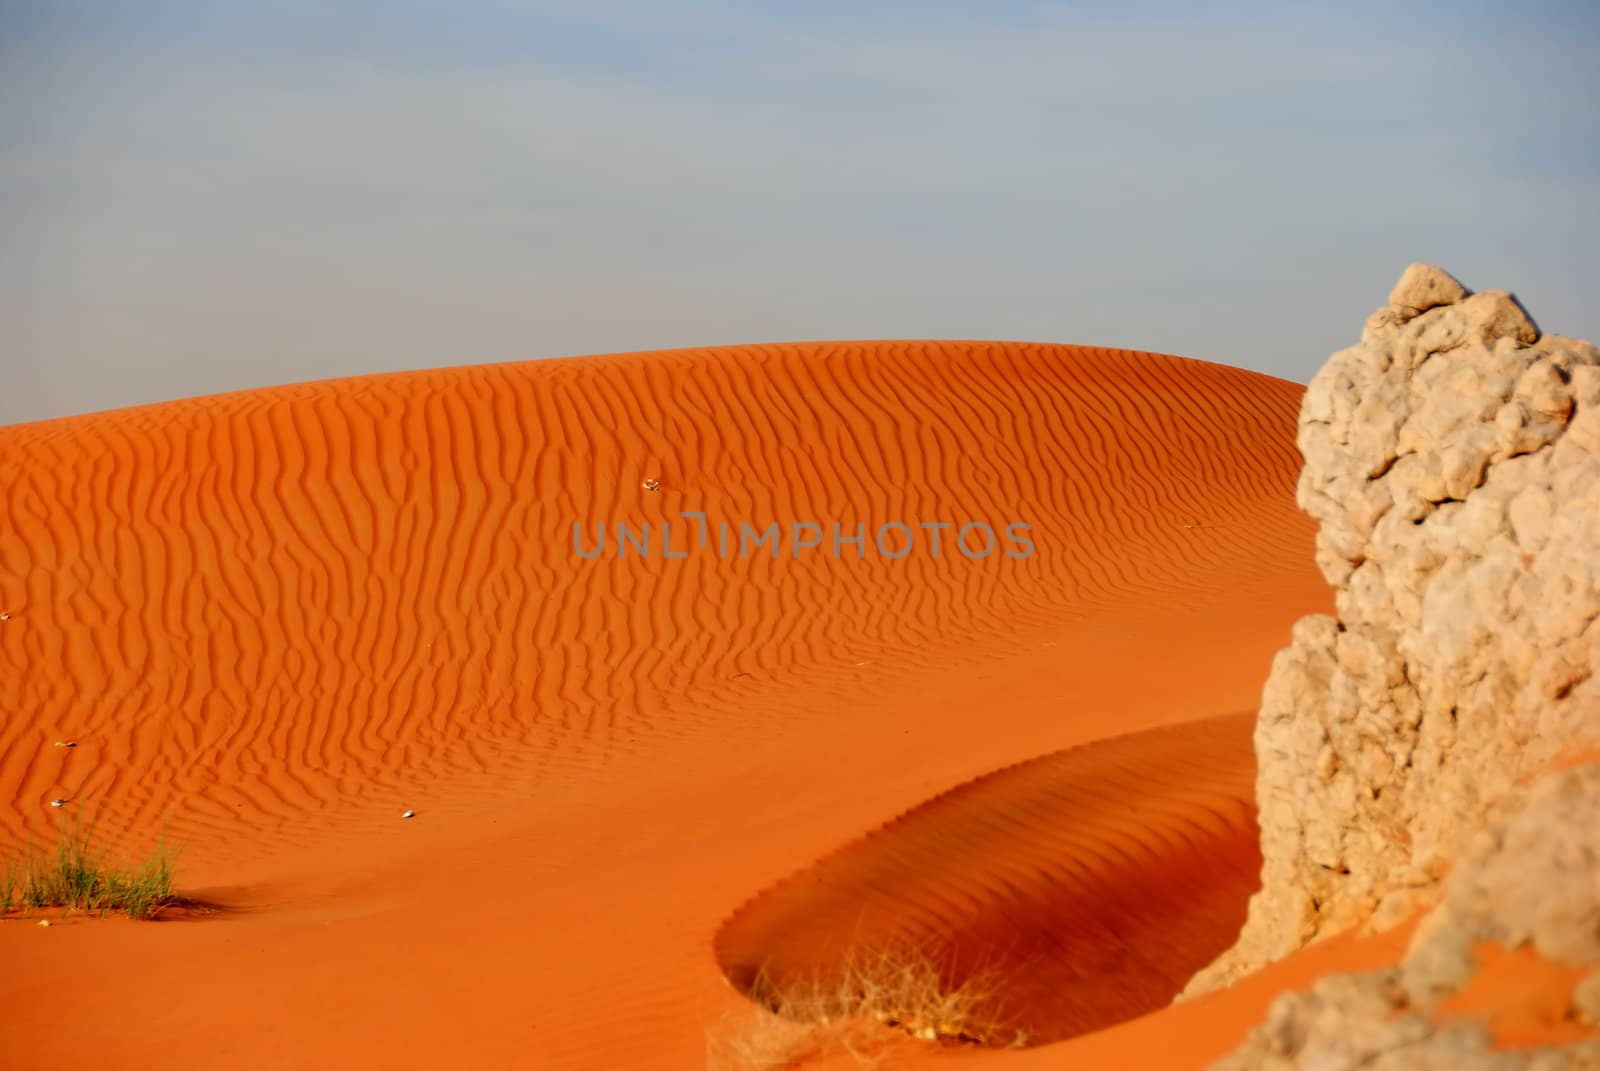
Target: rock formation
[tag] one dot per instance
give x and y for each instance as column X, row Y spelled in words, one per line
column 1531, row 877
column 1452, row 462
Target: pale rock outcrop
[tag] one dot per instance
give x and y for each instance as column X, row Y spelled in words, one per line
column 1452, row 462
column 1421, row 288
column 1530, row 878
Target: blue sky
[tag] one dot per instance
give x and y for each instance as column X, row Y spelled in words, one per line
column 210, row 196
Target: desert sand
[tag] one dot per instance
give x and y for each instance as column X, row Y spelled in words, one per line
column 274, row 622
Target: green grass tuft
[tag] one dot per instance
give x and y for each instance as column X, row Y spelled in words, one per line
column 76, row 877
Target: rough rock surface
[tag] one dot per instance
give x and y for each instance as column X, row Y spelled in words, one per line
column 1530, row 878
column 1452, row 461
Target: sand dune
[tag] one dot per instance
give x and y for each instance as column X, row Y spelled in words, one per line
column 272, row 620
column 251, row 608
column 1079, row 889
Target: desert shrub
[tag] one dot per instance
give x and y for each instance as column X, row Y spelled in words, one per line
column 872, row 1003
column 76, row 877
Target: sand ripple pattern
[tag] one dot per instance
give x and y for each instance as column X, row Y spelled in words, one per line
column 253, row 610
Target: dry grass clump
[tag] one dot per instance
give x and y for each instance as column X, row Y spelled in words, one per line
column 76, row 877
column 874, row 1001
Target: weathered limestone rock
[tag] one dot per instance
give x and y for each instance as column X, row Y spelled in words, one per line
column 1452, row 462
column 1531, row 877
column 1423, row 287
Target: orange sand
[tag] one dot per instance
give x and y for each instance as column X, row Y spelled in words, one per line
column 271, row 621
column 1524, row 999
